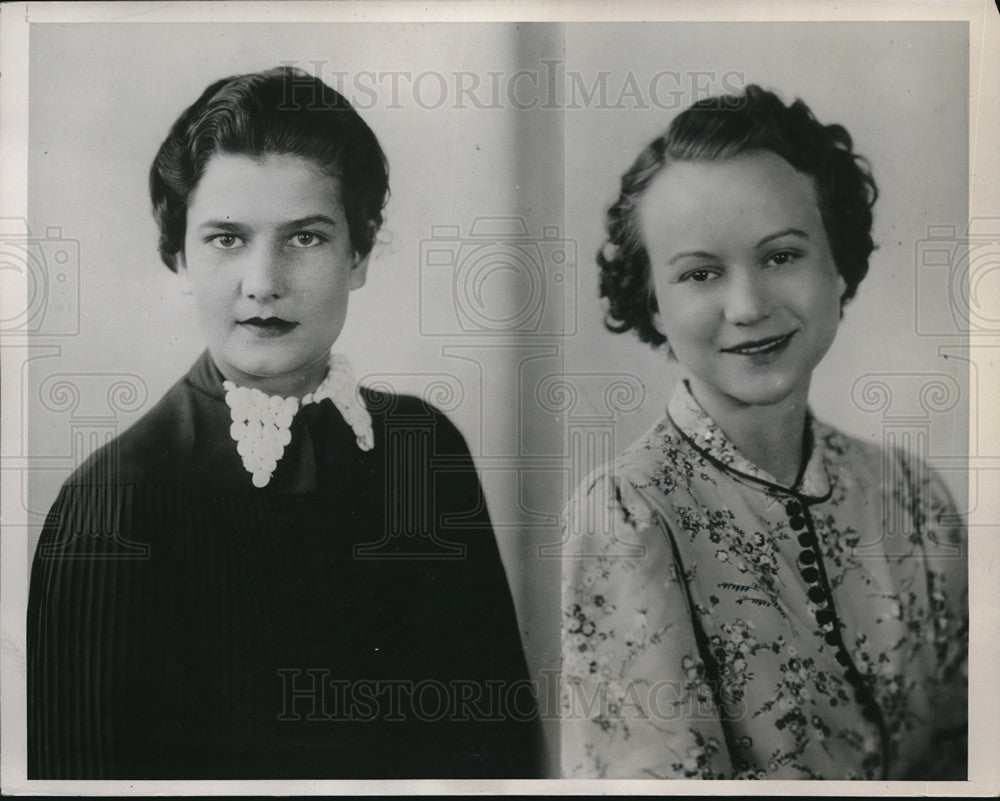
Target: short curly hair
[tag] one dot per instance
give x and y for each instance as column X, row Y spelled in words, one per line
column 718, row 128
column 282, row 111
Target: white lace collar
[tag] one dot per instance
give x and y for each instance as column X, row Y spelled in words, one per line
column 261, row 422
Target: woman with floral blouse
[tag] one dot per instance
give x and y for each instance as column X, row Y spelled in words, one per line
column 748, row 592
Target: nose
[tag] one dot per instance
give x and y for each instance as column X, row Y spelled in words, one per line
column 747, row 298
column 263, row 276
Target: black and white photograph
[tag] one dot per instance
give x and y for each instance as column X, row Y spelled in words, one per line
column 498, row 398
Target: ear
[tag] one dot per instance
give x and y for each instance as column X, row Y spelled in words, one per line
column 359, row 273
column 841, row 285
column 182, row 274
column 658, row 323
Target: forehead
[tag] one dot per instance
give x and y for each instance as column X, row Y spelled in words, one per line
column 754, row 194
column 276, row 186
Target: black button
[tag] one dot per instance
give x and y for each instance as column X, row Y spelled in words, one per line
column 810, row 574
column 816, row 595
column 824, row 616
column 806, row 540
column 793, row 508
column 796, row 522
column 832, row 638
column 807, row 557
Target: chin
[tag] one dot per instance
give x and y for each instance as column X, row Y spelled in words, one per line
column 743, row 390
column 260, row 368
column 767, row 395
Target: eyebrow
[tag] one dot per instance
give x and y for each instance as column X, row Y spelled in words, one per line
column 312, row 219
column 302, row 222
column 706, row 255
column 222, row 225
column 786, row 232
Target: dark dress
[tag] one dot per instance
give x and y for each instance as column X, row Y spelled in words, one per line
column 352, row 619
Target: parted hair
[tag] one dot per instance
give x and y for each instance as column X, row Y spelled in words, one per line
column 718, row 128
column 281, row 111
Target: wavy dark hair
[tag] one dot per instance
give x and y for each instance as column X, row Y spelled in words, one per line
column 718, row 128
column 282, row 111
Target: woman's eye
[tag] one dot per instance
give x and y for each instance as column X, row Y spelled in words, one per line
column 225, row 241
column 783, row 257
column 306, row 240
column 698, row 276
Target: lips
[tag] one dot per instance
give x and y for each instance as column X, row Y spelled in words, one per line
column 760, row 346
column 269, row 326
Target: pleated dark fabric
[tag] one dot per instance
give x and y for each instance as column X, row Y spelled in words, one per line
column 350, row 620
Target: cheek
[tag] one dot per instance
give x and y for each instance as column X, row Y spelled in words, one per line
column 831, row 293
column 210, row 297
column 330, row 299
column 814, row 292
column 685, row 317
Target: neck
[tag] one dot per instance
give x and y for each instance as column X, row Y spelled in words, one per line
column 771, row 436
column 296, row 384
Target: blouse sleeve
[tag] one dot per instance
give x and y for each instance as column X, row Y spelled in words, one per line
column 94, row 649
column 76, row 583
column 487, row 638
column 636, row 701
column 947, row 557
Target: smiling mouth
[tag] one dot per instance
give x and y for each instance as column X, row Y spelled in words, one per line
column 271, row 326
column 767, row 345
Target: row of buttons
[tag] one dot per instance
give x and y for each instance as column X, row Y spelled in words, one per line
column 819, row 594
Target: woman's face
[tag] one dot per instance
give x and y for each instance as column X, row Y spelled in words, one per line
column 748, row 291
column 268, row 256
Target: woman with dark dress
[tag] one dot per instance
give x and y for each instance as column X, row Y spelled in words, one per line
column 749, row 592
column 275, row 573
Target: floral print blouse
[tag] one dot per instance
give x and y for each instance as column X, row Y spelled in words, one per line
column 719, row 625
